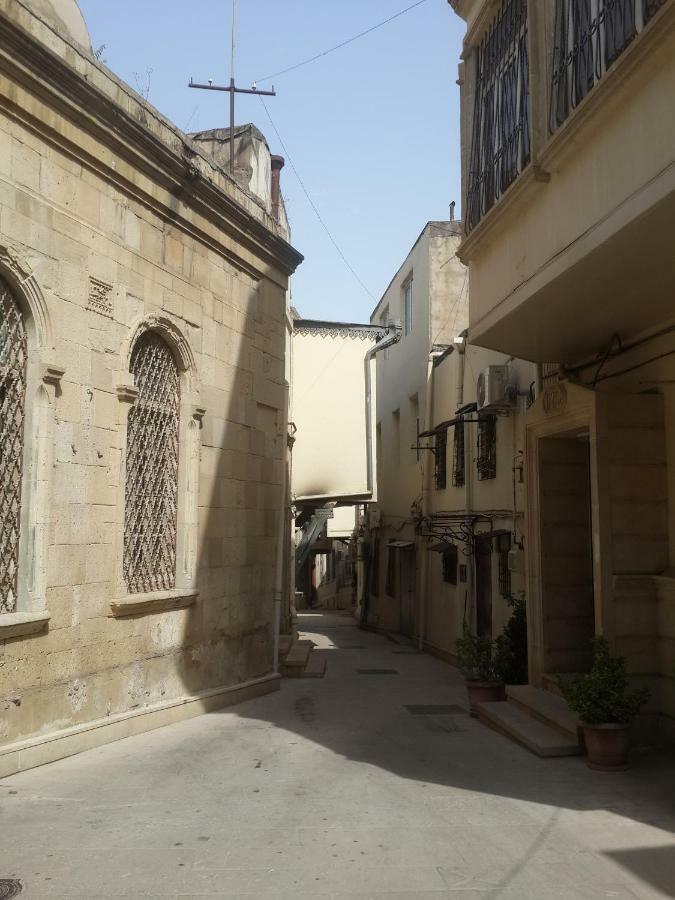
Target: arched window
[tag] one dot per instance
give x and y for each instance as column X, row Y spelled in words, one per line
column 13, row 362
column 151, row 491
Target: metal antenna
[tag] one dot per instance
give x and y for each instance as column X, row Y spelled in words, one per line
column 232, row 89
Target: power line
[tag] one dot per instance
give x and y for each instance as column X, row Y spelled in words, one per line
column 350, row 40
column 313, row 204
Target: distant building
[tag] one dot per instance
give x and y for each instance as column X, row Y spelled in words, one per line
column 569, row 207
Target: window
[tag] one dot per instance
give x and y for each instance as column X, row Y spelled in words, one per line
column 487, row 448
column 13, row 366
column 500, row 147
column 440, row 461
column 450, row 564
column 589, row 36
column 408, row 306
column 458, row 455
column 151, row 492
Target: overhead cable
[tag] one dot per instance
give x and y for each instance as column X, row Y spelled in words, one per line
column 350, row 40
column 313, row 204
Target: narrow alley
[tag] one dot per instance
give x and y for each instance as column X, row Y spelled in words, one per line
column 370, row 782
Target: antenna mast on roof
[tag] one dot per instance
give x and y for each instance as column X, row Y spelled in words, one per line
column 232, row 89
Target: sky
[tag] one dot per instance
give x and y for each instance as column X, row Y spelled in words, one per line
column 373, row 129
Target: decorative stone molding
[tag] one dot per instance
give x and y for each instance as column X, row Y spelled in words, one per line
column 198, row 413
column 127, row 392
column 19, row 275
column 14, row 625
column 52, row 374
column 158, row 601
column 339, row 329
column 170, row 330
column 100, row 298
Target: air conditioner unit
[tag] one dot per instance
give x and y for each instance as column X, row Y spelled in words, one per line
column 493, row 390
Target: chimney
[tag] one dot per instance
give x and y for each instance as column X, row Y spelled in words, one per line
column 278, row 163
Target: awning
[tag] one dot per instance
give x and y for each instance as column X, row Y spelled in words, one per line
column 442, row 427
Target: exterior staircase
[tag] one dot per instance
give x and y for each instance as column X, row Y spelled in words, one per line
column 298, row 660
column 537, row 719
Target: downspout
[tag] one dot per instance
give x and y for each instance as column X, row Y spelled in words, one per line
column 461, row 346
column 392, row 337
column 426, row 495
column 278, row 593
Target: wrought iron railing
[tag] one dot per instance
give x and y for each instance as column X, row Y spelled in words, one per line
column 458, row 456
column 440, row 460
column 487, row 448
column 589, row 36
column 500, row 147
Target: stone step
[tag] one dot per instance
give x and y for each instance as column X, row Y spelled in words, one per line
column 549, row 708
column 513, row 722
column 296, row 659
column 316, row 667
column 285, row 644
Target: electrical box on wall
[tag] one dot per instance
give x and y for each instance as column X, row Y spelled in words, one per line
column 516, row 562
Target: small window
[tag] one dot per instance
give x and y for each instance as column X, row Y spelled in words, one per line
column 408, row 306
column 487, row 448
column 458, row 455
column 440, row 462
column 450, row 564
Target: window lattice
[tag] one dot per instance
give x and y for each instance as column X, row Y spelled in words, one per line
column 440, row 467
column 589, row 36
column 500, row 147
column 13, row 359
column 152, row 469
column 487, row 448
column 458, row 456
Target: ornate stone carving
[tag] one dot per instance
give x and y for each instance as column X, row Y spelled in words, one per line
column 100, row 298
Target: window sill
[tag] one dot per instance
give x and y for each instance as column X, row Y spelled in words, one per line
column 13, row 625
column 157, row 601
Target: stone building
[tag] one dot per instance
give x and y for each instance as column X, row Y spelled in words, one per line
column 143, row 406
column 569, row 206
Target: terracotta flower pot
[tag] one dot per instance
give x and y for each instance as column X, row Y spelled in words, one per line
column 484, row 692
column 607, row 747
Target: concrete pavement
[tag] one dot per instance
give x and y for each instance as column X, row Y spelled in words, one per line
column 335, row 788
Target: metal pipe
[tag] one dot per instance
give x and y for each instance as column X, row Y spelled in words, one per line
column 426, row 495
column 393, row 337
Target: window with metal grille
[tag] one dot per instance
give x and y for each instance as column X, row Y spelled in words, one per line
column 440, row 459
column 589, row 36
column 13, row 362
column 152, row 469
column 500, row 147
column 487, row 448
column 458, row 455
column 450, row 564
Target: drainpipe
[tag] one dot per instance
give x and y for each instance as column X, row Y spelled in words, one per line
column 426, row 502
column 460, row 346
column 460, row 343
column 392, row 337
column 278, row 593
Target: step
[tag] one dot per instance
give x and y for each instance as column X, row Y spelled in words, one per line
column 296, row 660
column 541, row 739
column 316, row 667
column 551, row 709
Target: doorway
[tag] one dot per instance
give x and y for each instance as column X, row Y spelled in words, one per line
column 407, row 590
column 568, row 600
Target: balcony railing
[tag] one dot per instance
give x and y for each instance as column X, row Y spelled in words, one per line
column 589, row 36
column 500, row 147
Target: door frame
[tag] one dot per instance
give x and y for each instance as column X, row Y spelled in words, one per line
column 560, row 409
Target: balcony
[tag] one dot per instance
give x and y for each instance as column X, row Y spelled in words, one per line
column 569, row 171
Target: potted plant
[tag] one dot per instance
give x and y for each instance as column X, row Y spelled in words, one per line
column 606, row 706
column 482, row 663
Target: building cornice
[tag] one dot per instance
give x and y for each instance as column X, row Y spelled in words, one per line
column 339, row 329
column 168, row 159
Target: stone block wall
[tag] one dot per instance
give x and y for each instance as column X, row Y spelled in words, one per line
column 99, row 243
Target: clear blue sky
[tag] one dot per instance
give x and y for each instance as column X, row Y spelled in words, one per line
column 373, row 129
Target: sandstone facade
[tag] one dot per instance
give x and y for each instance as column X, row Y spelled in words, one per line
column 113, row 224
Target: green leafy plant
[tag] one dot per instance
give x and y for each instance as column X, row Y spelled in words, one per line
column 603, row 697
column 480, row 658
column 514, row 643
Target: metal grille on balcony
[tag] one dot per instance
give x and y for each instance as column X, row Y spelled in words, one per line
column 13, row 359
column 550, row 374
column 458, row 456
column 500, row 147
column 440, row 467
column 152, row 469
column 589, row 36
column 487, row 448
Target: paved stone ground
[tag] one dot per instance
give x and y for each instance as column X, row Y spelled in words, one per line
column 332, row 788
